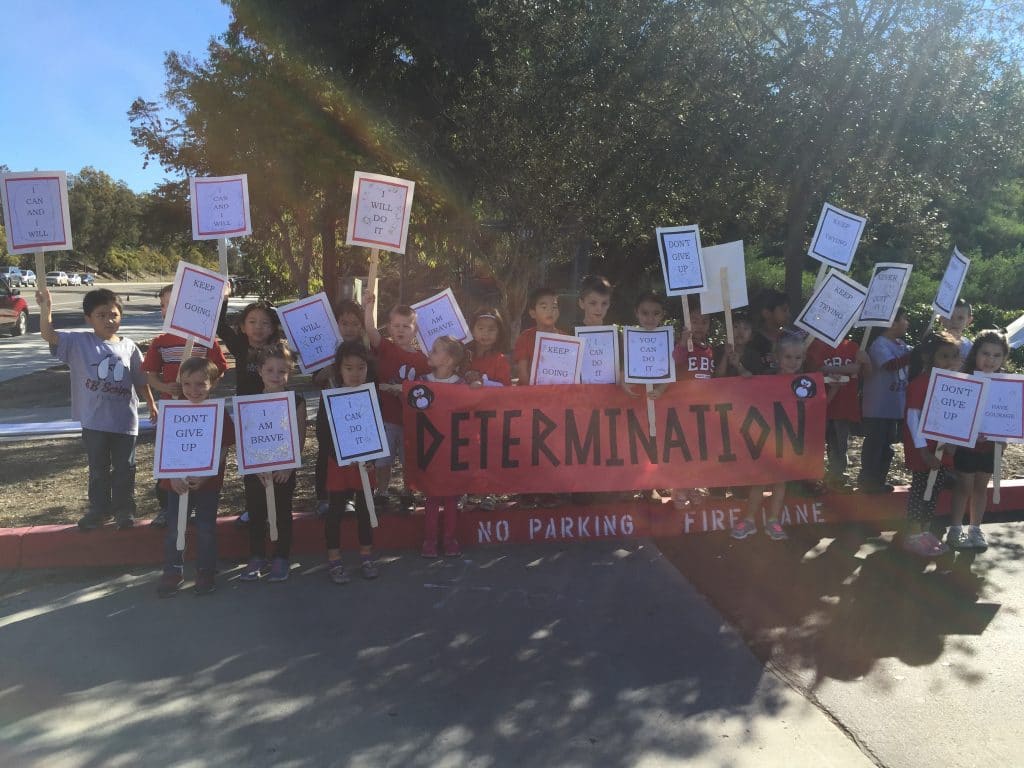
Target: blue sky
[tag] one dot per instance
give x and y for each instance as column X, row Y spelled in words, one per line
column 70, row 70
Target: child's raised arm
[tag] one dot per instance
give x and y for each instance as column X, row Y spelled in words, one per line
column 46, row 316
column 372, row 334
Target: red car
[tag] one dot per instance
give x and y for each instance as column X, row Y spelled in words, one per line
column 13, row 309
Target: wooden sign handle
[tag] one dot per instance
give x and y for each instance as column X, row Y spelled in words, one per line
column 822, row 270
column 651, row 424
column 371, row 281
column 271, row 505
column 723, row 278
column 997, row 473
column 368, row 494
column 41, row 268
column 930, row 487
column 182, row 520
column 686, row 322
column 928, row 329
column 222, row 254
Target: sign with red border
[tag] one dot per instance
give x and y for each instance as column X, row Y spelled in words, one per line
column 35, row 210
column 378, row 216
column 266, row 433
column 1003, row 419
column 188, row 438
column 953, row 407
column 557, row 359
column 220, row 207
column 312, row 330
column 194, row 307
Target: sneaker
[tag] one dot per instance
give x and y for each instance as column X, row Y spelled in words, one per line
column 429, row 550
column 741, row 529
column 126, row 522
column 160, row 521
column 256, row 568
column 974, row 539
column 336, row 572
column 924, row 545
column 242, row 519
column 938, row 548
column 322, row 507
column 774, row 530
column 169, row 584
column 279, row 568
column 205, row 583
column 955, row 536
column 89, row 522
column 452, row 548
column 369, row 569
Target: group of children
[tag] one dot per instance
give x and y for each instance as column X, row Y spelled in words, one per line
column 886, row 384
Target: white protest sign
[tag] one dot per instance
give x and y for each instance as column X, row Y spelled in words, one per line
column 220, row 206
column 832, row 308
column 601, row 358
column 357, row 428
column 836, row 237
column 36, row 214
column 312, row 330
column 682, row 261
column 951, row 285
column 885, row 293
column 1003, row 417
column 1015, row 333
column 649, row 355
column 378, row 216
column 266, row 433
column 438, row 316
column 730, row 257
column 953, row 407
column 557, row 359
column 188, row 438
column 194, row 306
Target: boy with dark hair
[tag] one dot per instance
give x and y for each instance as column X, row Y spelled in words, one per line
column 771, row 309
column 106, row 382
column 543, row 309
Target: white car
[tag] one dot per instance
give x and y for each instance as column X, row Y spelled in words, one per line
column 74, row 279
column 56, row 278
column 28, row 277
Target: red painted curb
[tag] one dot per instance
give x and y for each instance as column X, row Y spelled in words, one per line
column 59, row 546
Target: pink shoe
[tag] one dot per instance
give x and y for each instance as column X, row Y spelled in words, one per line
column 743, row 528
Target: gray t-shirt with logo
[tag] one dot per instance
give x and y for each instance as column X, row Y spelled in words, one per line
column 104, row 375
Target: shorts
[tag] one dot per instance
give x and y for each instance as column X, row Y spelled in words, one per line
column 396, row 445
column 968, row 461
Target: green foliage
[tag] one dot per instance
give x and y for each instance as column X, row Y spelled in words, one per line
column 104, row 219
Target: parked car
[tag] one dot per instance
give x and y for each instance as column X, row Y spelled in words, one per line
column 56, row 278
column 13, row 309
column 14, row 276
column 88, row 279
column 28, row 277
column 74, row 279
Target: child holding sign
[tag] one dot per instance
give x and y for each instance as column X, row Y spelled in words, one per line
column 789, row 355
column 274, row 364
column 700, row 362
column 974, row 466
column 543, row 308
column 938, row 350
column 106, row 382
column 740, row 358
column 488, row 362
column 773, row 315
column 595, row 299
column 257, row 326
column 398, row 361
column 445, row 359
column 353, row 367
column 957, row 324
column 197, row 375
column 883, row 404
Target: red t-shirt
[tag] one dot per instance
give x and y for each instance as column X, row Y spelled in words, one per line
column 495, row 366
column 916, row 391
column 523, row 350
column 164, row 357
column 216, row 482
column 845, row 406
column 396, row 366
column 347, row 478
column 699, row 364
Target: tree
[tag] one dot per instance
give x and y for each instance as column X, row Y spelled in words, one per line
column 104, row 216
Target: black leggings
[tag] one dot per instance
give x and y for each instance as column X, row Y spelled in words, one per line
column 346, row 501
column 259, row 529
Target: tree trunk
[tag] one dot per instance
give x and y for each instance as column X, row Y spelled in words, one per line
column 329, row 245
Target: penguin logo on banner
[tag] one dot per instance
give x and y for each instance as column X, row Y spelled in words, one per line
column 420, row 397
column 804, row 388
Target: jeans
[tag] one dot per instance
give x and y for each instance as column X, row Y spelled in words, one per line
column 837, row 441
column 876, row 455
column 205, row 503
column 111, row 457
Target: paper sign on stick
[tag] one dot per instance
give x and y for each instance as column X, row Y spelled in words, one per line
column 438, row 316
column 35, row 209
column 1015, row 333
column 378, row 216
column 357, row 428
column 188, row 438
column 682, row 262
column 649, row 355
column 1003, row 417
column 885, row 293
column 601, row 358
column 266, row 433
column 832, row 308
column 836, row 237
column 220, row 206
column 312, row 330
column 557, row 359
column 951, row 285
column 730, row 256
column 953, row 408
column 194, row 306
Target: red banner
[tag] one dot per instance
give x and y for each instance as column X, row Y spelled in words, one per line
column 594, row 437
